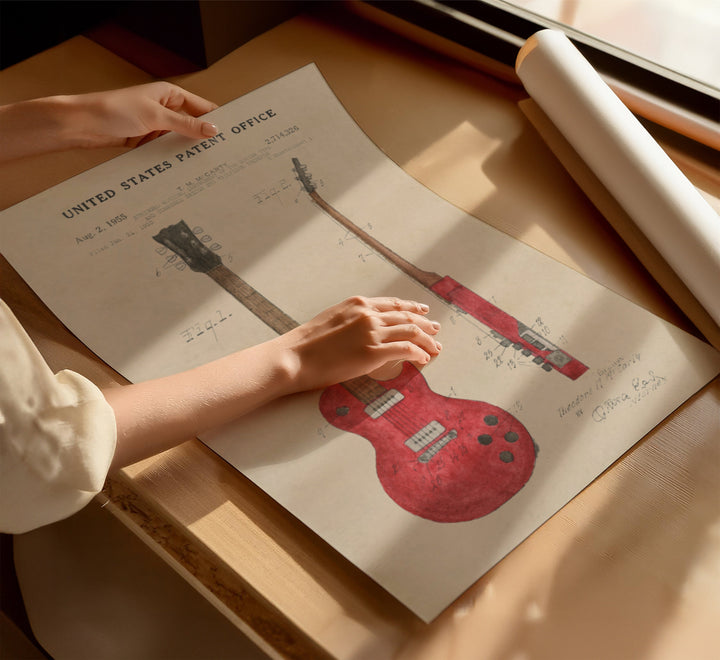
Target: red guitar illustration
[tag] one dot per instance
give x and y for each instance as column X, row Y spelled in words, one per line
column 443, row 459
column 507, row 330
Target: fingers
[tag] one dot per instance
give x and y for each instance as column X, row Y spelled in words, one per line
column 407, row 313
column 186, row 109
column 404, row 330
column 162, row 106
column 186, row 125
column 397, row 304
column 409, row 318
column 180, row 99
column 408, row 342
column 413, row 333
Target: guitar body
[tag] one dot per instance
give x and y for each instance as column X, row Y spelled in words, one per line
column 440, row 458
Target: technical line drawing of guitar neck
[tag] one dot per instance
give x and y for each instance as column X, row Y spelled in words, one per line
column 440, row 458
column 503, row 327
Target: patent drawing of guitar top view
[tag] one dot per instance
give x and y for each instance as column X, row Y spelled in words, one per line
column 440, row 458
column 504, row 328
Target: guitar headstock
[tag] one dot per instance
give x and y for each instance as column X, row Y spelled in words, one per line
column 180, row 239
column 303, row 176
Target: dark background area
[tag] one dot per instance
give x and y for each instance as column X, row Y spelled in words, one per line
column 31, row 26
column 197, row 32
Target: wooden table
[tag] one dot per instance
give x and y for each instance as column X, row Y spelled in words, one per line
column 628, row 569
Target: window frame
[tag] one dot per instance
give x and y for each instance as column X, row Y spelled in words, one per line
column 496, row 30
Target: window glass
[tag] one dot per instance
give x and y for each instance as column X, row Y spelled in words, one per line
column 679, row 35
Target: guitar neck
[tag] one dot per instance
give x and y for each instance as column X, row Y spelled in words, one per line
column 255, row 302
column 182, row 241
column 507, row 329
column 424, row 277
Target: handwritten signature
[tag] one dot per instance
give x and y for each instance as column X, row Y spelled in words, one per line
column 640, row 388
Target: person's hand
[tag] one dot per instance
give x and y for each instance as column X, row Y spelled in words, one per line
column 134, row 115
column 122, row 117
column 350, row 339
column 358, row 336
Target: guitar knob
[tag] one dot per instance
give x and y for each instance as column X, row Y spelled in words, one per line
column 341, row 411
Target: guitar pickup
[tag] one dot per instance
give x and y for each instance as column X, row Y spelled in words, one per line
column 427, row 434
column 383, row 403
column 427, row 455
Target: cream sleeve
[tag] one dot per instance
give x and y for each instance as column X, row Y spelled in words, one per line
column 57, row 435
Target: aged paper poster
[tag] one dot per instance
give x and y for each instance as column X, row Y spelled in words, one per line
column 180, row 252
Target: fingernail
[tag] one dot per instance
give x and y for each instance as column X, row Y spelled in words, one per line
column 209, row 130
column 435, row 325
column 438, row 345
column 423, row 307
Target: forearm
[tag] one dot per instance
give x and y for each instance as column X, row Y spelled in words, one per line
column 156, row 415
column 39, row 126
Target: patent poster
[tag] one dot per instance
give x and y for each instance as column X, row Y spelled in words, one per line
column 180, row 252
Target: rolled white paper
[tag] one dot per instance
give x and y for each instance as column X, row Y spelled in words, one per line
column 666, row 207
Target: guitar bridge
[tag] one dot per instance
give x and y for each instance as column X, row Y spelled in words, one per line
column 383, row 403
